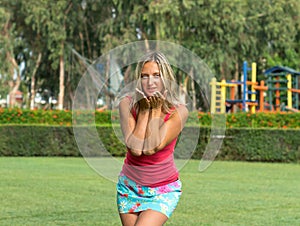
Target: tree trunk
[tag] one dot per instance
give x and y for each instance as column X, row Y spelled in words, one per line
column 222, row 71
column 107, row 93
column 237, row 71
column 12, row 93
column 61, row 95
column 146, row 40
column 14, row 85
column 127, row 78
column 81, row 43
column 61, row 81
column 193, row 90
column 236, row 78
column 87, row 39
column 147, row 44
column 32, row 87
column 157, row 34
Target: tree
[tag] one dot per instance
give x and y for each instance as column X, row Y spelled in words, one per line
column 34, row 31
column 38, row 34
column 57, row 35
column 9, row 44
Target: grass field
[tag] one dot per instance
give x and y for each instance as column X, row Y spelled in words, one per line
column 66, row 191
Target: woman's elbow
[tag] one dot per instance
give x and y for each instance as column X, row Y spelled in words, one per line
column 149, row 152
column 135, row 152
column 133, row 149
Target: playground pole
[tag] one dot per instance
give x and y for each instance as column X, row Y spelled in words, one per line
column 213, row 95
column 223, row 96
column 296, row 85
column 253, row 95
column 262, row 88
column 277, row 94
column 245, row 69
column 289, row 91
column 232, row 95
column 261, row 97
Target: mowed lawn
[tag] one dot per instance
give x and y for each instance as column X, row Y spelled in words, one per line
column 66, row 191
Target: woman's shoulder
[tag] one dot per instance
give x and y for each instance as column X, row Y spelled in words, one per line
column 127, row 100
column 181, row 108
column 126, row 104
column 178, row 110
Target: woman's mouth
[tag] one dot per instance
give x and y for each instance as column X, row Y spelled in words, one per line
column 152, row 90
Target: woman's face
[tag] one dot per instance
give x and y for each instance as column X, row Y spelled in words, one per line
column 151, row 78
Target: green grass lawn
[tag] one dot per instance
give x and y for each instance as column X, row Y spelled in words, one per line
column 66, row 191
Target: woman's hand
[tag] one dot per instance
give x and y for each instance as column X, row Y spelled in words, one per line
column 143, row 102
column 157, row 100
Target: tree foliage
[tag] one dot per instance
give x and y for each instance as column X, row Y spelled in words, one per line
column 223, row 33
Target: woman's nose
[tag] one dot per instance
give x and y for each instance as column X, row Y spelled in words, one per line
column 150, row 81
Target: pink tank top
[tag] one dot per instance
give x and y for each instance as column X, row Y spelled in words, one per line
column 152, row 170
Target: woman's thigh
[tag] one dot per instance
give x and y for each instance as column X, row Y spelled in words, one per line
column 129, row 219
column 151, row 218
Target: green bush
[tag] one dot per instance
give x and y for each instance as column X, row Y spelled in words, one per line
column 64, row 118
column 249, row 137
column 282, row 120
column 267, row 145
column 52, row 117
column 22, row 140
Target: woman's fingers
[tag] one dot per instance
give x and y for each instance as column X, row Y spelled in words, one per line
column 141, row 93
column 156, row 100
column 143, row 101
column 160, row 95
column 138, row 90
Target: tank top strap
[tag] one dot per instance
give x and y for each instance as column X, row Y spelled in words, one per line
column 169, row 114
column 133, row 111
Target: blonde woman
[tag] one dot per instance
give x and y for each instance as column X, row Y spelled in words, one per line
column 149, row 187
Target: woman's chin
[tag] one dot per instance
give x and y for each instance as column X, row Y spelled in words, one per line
column 149, row 94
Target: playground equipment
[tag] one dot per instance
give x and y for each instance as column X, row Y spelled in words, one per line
column 249, row 88
column 283, row 83
column 218, row 96
column 282, row 89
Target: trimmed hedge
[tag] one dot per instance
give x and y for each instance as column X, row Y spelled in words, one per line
column 51, row 117
column 268, row 145
column 282, row 120
column 20, row 140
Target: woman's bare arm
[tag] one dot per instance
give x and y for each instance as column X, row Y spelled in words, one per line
column 133, row 131
column 159, row 133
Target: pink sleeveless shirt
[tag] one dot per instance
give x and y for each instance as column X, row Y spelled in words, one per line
column 152, row 170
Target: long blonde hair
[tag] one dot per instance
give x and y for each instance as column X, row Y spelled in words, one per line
column 167, row 77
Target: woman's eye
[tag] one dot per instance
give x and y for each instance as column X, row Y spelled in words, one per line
column 144, row 77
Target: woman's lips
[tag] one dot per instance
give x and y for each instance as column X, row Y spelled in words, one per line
column 151, row 90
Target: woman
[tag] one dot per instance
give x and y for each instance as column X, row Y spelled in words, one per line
column 149, row 188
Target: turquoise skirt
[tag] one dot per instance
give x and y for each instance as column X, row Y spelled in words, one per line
column 134, row 198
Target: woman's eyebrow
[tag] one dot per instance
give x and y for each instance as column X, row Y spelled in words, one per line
column 155, row 73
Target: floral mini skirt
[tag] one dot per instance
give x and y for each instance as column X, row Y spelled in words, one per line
column 133, row 198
